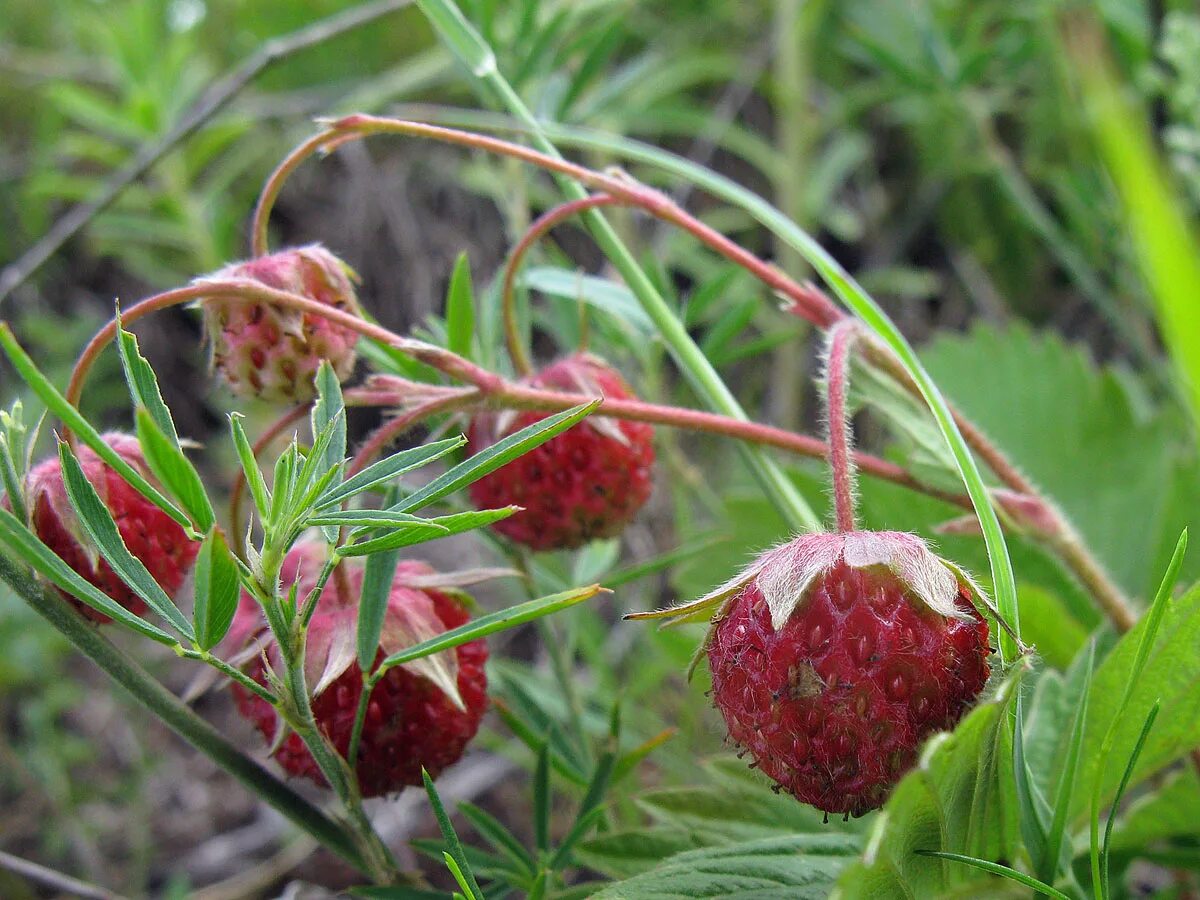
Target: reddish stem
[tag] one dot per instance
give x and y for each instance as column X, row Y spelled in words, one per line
column 246, row 291
column 521, row 396
column 840, row 342
column 813, row 306
column 546, row 222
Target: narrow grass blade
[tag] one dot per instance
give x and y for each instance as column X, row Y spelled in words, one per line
column 1052, row 850
column 1003, row 871
column 1125, row 779
column 1153, row 619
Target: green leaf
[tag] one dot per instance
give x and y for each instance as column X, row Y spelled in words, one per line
column 378, row 575
column 460, row 309
column 57, row 404
column 99, row 524
column 24, row 545
column 217, row 590
column 493, row 622
column 492, row 458
column 174, row 470
column 388, row 468
column 143, row 386
column 1172, row 669
column 254, row 478
column 795, row 867
column 1049, row 858
column 367, row 518
column 428, row 530
column 329, row 414
column 951, row 802
column 1128, row 444
column 456, row 857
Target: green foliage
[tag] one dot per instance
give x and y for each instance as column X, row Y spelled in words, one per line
column 957, row 800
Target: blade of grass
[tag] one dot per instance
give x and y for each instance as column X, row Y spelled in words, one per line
column 1003, row 871
column 1051, row 852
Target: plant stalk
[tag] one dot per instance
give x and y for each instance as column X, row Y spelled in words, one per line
column 151, row 694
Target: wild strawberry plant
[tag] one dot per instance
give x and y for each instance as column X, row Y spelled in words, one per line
column 865, row 675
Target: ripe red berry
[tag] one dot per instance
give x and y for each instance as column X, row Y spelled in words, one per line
column 586, row 483
column 271, row 352
column 838, row 655
column 412, row 722
column 150, row 534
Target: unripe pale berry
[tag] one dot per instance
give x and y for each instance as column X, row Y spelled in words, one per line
column 273, row 352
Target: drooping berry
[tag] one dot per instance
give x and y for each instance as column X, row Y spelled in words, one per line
column 838, row 655
column 150, row 534
column 420, row 715
column 272, row 352
column 586, row 483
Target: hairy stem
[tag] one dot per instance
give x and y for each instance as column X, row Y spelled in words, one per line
column 147, row 691
column 837, row 375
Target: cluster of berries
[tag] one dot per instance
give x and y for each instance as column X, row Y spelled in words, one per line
column 584, row 484
column 833, row 657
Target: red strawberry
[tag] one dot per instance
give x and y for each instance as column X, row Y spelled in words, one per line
column 838, row 655
column 584, row 484
column 421, row 715
column 149, row 533
column 271, row 352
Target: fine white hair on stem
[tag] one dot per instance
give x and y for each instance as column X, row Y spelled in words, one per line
column 838, row 346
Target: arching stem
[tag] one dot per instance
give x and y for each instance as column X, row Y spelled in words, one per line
column 535, row 232
column 813, row 305
column 841, row 339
